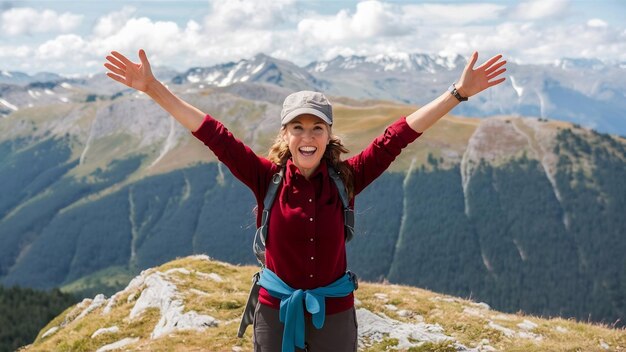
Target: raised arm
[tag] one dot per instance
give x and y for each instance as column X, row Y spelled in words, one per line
column 139, row 76
column 252, row 170
column 472, row 82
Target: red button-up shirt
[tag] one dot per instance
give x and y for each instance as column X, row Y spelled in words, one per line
column 305, row 243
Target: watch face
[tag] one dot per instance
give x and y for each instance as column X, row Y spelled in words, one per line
column 453, row 91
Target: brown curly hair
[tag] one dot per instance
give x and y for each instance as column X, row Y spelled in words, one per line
column 279, row 154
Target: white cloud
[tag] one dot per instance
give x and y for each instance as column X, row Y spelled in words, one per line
column 167, row 43
column 371, row 19
column 232, row 30
column 63, row 46
column 19, row 52
column 25, row 20
column 374, row 18
column 238, row 14
column 597, row 23
column 531, row 43
column 159, row 38
column 538, row 9
column 113, row 22
column 452, row 14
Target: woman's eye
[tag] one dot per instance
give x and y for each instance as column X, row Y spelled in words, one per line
column 297, row 127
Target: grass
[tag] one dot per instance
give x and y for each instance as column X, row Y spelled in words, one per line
column 434, row 347
column 463, row 320
column 107, row 281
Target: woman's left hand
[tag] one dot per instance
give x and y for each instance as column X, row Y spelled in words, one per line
column 475, row 80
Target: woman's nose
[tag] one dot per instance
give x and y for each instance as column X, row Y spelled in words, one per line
column 308, row 134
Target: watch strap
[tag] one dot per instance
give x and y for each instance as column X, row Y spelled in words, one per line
column 455, row 93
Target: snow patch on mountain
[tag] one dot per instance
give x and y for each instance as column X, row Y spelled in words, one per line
column 8, row 105
column 34, row 94
column 259, row 69
column 518, row 89
column 394, row 62
column 579, row 63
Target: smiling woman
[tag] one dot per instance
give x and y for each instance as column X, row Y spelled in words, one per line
column 307, row 137
column 305, row 255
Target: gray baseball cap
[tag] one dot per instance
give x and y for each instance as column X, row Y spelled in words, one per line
column 306, row 102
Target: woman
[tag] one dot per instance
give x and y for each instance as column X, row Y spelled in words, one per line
column 305, row 250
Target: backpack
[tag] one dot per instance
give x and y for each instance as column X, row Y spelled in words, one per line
column 260, row 237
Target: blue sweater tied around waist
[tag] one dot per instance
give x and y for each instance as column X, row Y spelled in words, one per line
column 291, row 304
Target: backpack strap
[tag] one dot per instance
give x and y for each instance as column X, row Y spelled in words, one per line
column 260, row 236
column 253, row 298
column 348, row 213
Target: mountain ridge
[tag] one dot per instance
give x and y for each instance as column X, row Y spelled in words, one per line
column 583, row 91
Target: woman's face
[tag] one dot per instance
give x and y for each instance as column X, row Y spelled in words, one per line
column 307, row 137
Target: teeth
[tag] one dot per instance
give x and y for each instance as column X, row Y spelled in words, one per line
column 308, row 149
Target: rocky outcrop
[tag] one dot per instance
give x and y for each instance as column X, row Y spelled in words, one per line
column 195, row 303
column 154, row 289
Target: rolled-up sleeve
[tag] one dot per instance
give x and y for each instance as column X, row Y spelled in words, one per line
column 249, row 168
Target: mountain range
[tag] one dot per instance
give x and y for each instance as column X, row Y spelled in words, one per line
column 525, row 213
column 582, row 91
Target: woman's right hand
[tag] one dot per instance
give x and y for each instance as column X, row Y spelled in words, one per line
column 134, row 75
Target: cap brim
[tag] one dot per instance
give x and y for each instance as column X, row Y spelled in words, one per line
column 301, row 111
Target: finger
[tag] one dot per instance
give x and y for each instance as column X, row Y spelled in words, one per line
column 116, row 77
column 473, row 60
column 490, row 61
column 495, row 67
column 116, row 62
column 496, row 73
column 114, row 69
column 144, row 58
column 498, row 81
column 122, row 58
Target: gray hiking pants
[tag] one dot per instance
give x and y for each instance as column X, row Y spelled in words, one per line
column 339, row 333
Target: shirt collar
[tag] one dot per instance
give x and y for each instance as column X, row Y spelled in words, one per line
column 292, row 170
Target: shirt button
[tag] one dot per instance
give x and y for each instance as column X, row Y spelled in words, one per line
column 312, row 258
column 310, row 219
column 311, row 239
column 310, row 200
column 311, row 275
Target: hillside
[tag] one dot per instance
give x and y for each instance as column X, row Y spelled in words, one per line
column 24, row 311
column 522, row 213
column 582, row 91
column 194, row 303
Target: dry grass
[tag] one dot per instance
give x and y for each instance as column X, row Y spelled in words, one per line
column 465, row 321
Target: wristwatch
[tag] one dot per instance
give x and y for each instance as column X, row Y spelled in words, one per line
column 456, row 94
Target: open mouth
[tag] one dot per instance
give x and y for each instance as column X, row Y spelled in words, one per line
column 307, row 151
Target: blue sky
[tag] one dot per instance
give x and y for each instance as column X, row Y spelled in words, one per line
column 72, row 37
